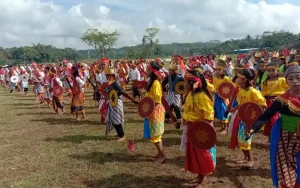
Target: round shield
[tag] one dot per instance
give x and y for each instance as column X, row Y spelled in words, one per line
column 57, row 91
column 113, row 98
column 139, row 84
column 14, row 79
column 249, row 112
column 146, row 107
column 24, row 77
column 104, row 89
column 179, row 88
column 225, row 90
column 202, row 135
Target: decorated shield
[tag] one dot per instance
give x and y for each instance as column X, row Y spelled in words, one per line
column 57, row 91
column 202, row 135
column 225, row 90
column 24, row 77
column 14, row 79
column 249, row 112
column 113, row 98
column 146, row 107
column 179, row 88
column 139, row 84
column 104, row 89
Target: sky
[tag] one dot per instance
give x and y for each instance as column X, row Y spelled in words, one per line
column 62, row 22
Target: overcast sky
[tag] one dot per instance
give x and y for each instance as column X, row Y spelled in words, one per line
column 61, row 22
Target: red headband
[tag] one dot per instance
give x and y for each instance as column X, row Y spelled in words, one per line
column 156, row 72
column 198, row 83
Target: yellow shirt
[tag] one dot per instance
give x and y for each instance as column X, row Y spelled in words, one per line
column 210, row 87
column 274, row 88
column 250, row 95
column 155, row 92
column 198, row 107
column 217, row 81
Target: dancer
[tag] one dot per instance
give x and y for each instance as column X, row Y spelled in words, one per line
column 77, row 104
column 155, row 123
column 285, row 134
column 246, row 94
column 115, row 114
column 57, row 99
column 272, row 87
column 198, row 106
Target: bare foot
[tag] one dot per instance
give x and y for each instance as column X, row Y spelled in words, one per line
column 56, row 111
column 156, row 156
column 83, row 118
column 121, row 139
column 224, row 131
column 241, row 161
column 199, row 186
column 249, row 164
column 160, row 160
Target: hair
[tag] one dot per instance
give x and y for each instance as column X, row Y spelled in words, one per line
column 268, row 77
column 249, row 75
column 204, row 84
column 75, row 71
column 153, row 77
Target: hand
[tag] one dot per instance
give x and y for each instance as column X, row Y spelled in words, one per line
column 249, row 133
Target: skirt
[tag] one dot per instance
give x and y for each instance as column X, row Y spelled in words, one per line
column 58, row 101
column 38, row 89
column 220, row 108
column 77, row 103
column 199, row 161
column 156, row 123
column 115, row 116
column 284, row 156
column 238, row 135
column 173, row 98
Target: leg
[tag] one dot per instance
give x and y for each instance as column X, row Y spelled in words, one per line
column 120, row 132
column 247, row 154
column 161, row 155
column 178, row 116
column 200, row 180
column 83, row 114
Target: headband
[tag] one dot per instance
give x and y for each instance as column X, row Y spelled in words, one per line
column 198, row 83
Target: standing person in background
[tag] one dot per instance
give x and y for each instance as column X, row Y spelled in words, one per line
column 57, row 98
column 229, row 67
column 77, row 105
column 135, row 77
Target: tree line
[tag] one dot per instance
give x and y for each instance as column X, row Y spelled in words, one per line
column 102, row 43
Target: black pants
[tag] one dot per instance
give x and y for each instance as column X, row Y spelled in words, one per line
column 177, row 112
column 119, row 130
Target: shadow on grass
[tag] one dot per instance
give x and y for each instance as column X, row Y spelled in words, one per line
column 167, row 141
column 122, row 157
column 129, row 181
column 66, row 121
column 77, row 138
column 232, row 173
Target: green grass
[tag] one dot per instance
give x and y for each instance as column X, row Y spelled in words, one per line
column 42, row 150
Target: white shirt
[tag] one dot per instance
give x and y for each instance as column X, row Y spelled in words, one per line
column 59, row 82
column 98, row 78
column 135, row 75
column 206, row 67
column 103, row 77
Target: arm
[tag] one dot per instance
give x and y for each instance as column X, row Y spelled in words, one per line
column 266, row 116
column 59, row 82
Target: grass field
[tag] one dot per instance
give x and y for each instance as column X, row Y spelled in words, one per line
column 42, row 150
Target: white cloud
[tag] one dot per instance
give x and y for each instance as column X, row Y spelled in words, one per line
column 23, row 22
column 104, row 10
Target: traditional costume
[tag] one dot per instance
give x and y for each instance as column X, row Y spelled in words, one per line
column 56, row 83
column 77, row 104
column 197, row 107
column 285, row 138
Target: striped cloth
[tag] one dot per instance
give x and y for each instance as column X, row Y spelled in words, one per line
column 115, row 116
column 173, row 98
column 288, row 148
column 38, row 89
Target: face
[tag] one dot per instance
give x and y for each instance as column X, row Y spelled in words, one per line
column 148, row 72
column 172, row 72
column 272, row 72
column 293, row 80
column 262, row 67
column 219, row 71
column 187, row 86
column 240, row 81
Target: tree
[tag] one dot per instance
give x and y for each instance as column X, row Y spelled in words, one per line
column 149, row 42
column 102, row 41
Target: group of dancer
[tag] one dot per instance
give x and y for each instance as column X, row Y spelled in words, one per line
column 272, row 81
